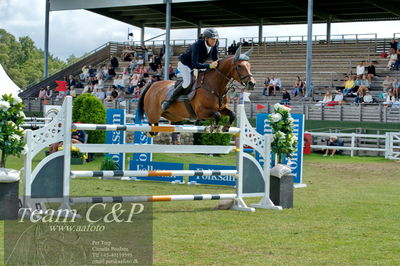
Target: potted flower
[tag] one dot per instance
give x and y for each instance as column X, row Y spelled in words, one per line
column 76, row 156
column 284, row 141
column 11, row 143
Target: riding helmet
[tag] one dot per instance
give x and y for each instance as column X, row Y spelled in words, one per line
column 211, row 33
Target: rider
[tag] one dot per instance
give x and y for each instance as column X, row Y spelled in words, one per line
column 195, row 57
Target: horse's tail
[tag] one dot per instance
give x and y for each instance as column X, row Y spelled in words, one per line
column 141, row 101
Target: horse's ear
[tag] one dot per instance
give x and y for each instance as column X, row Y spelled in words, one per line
column 237, row 54
column 248, row 53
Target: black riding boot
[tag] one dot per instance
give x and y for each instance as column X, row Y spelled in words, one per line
column 177, row 92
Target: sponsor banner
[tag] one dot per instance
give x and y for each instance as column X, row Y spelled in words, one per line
column 156, row 166
column 296, row 162
column 116, row 117
column 212, row 180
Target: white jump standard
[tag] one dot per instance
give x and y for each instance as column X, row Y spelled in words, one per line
column 50, row 180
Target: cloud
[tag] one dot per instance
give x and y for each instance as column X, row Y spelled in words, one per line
column 79, row 31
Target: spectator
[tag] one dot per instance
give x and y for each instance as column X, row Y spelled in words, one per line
column 118, row 81
column 392, row 60
column 42, row 94
column 114, row 93
column 77, row 137
column 393, row 46
column 114, row 62
column 368, row 97
column 71, row 81
column 390, row 99
column 233, row 96
column 333, row 141
column 108, row 95
column 361, row 91
column 360, row 69
column 285, row 97
column 339, row 97
column 48, row 93
column 327, row 98
column 370, row 72
column 100, row 83
column 298, row 87
column 395, row 88
column 397, row 63
column 159, row 70
column 348, row 85
column 133, row 83
column 91, row 71
column 72, row 91
column 274, row 83
column 266, row 83
column 99, row 94
column 365, row 81
column 111, row 73
column 84, row 75
column 357, row 84
column 121, row 95
column 171, row 72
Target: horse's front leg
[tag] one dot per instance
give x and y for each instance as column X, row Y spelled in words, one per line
column 152, row 134
column 232, row 117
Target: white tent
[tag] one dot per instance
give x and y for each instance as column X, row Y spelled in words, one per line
column 7, row 86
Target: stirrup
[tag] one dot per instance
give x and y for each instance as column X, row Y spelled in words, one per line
column 165, row 105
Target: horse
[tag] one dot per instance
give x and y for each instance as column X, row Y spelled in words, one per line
column 210, row 99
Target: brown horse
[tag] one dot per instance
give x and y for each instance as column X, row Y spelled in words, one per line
column 210, row 98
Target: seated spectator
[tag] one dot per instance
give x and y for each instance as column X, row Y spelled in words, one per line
column 99, row 94
column 386, row 86
column 232, row 96
column 370, row 72
column 348, row 85
column 127, row 57
column 77, row 137
column 84, row 75
column 274, row 83
column 71, row 81
column 392, row 60
column 367, row 97
column 42, row 94
column 114, row 62
column 361, row 91
column 99, row 73
column 364, row 81
column 114, row 93
column 327, row 98
column 285, row 97
column 397, row 63
column 121, row 95
column 91, row 71
column 395, row 87
column 132, row 84
column 334, row 142
column 171, row 72
column 108, row 95
column 159, row 70
column 298, row 87
column 360, row 69
column 338, row 97
column 49, row 93
column 118, row 82
column 266, row 83
column 393, row 46
column 100, row 83
column 111, row 73
column 357, row 84
column 72, row 91
column 89, row 88
column 390, row 99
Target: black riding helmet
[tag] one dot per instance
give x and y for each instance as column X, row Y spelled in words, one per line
column 211, row 33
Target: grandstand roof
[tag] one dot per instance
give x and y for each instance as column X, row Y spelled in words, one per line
column 225, row 13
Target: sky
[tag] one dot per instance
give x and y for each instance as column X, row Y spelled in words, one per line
column 77, row 32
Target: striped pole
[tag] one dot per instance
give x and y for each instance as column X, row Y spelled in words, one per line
column 152, row 198
column 119, row 173
column 146, row 128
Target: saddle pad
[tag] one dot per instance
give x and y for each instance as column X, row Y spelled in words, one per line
column 182, row 98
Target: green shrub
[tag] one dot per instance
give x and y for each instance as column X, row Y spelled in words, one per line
column 215, row 138
column 108, row 164
column 88, row 109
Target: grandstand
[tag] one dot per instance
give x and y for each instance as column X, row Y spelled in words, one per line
column 284, row 58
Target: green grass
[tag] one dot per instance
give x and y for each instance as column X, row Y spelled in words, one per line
column 349, row 126
column 348, row 215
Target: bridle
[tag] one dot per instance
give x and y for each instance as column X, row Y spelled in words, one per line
column 229, row 85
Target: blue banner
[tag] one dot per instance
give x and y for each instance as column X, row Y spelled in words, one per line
column 154, row 166
column 212, row 180
column 116, row 117
column 141, row 138
column 296, row 162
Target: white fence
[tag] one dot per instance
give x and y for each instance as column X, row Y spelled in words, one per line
column 387, row 144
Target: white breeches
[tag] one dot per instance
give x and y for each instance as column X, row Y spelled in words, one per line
column 185, row 72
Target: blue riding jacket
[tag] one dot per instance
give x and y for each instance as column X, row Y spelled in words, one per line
column 196, row 55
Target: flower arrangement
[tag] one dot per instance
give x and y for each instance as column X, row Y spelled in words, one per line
column 11, row 133
column 284, row 141
column 75, row 153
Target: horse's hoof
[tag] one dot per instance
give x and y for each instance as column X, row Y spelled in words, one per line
column 225, row 129
column 208, row 129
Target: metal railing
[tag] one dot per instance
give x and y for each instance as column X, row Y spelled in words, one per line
column 336, row 38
